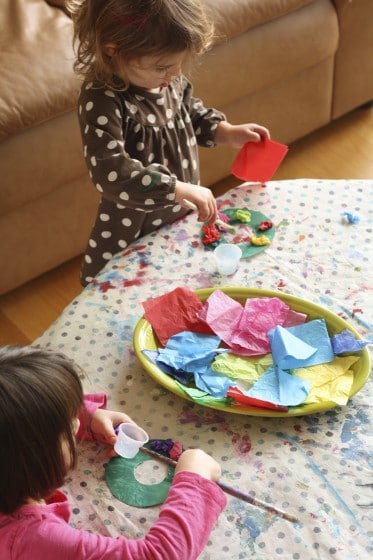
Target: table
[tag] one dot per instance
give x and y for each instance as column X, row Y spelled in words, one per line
column 316, row 467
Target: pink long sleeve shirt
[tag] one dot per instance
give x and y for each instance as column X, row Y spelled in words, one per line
column 42, row 532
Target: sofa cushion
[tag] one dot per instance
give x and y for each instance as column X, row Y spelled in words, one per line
column 36, row 58
column 233, row 17
column 267, row 54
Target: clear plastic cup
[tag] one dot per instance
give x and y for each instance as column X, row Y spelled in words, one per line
column 227, row 256
column 129, row 440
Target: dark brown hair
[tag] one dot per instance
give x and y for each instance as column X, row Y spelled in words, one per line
column 137, row 28
column 40, row 396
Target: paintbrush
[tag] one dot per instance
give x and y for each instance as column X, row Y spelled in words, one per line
column 218, row 222
column 235, row 492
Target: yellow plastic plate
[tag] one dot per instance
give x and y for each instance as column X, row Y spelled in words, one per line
column 144, row 338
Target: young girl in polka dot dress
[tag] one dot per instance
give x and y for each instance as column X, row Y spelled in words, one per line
column 41, row 411
column 139, row 121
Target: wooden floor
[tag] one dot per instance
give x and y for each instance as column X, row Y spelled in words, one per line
column 342, row 150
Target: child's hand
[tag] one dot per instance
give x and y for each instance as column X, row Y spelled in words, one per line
column 197, row 461
column 103, row 423
column 202, row 197
column 237, row 135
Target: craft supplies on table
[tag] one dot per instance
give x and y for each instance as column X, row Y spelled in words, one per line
column 215, row 342
column 315, row 467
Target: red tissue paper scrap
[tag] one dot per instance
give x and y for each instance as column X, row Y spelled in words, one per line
column 175, row 312
column 258, row 161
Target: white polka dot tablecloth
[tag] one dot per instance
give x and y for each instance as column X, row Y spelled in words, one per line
column 316, row 467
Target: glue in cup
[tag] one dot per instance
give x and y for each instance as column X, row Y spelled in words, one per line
column 227, row 257
column 129, row 440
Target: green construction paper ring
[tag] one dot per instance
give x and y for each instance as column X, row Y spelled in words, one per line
column 120, row 478
column 248, row 250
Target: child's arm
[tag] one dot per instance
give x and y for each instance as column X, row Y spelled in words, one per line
column 119, row 177
column 199, row 462
column 191, row 509
column 205, row 121
column 202, row 197
column 97, row 422
column 103, row 423
column 238, row 135
column 211, row 126
column 185, row 522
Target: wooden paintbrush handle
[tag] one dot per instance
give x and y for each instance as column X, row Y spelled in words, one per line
column 235, row 492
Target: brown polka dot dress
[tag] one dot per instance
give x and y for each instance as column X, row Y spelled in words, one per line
column 136, row 145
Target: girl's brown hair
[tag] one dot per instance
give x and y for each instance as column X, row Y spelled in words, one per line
column 136, row 28
column 40, row 396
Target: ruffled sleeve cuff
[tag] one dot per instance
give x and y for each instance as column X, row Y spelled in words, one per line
column 91, row 403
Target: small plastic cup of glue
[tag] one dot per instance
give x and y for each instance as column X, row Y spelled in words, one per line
column 227, row 256
column 129, row 440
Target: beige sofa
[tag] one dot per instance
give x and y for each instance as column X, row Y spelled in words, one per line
column 293, row 65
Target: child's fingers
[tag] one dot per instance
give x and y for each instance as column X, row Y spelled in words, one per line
column 104, row 422
column 208, row 212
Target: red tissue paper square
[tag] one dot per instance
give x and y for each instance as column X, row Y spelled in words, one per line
column 258, row 161
column 175, row 312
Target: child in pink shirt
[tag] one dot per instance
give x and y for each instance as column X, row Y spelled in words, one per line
column 41, row 404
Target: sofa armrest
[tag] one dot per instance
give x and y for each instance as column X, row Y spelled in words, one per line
column 353, row 82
